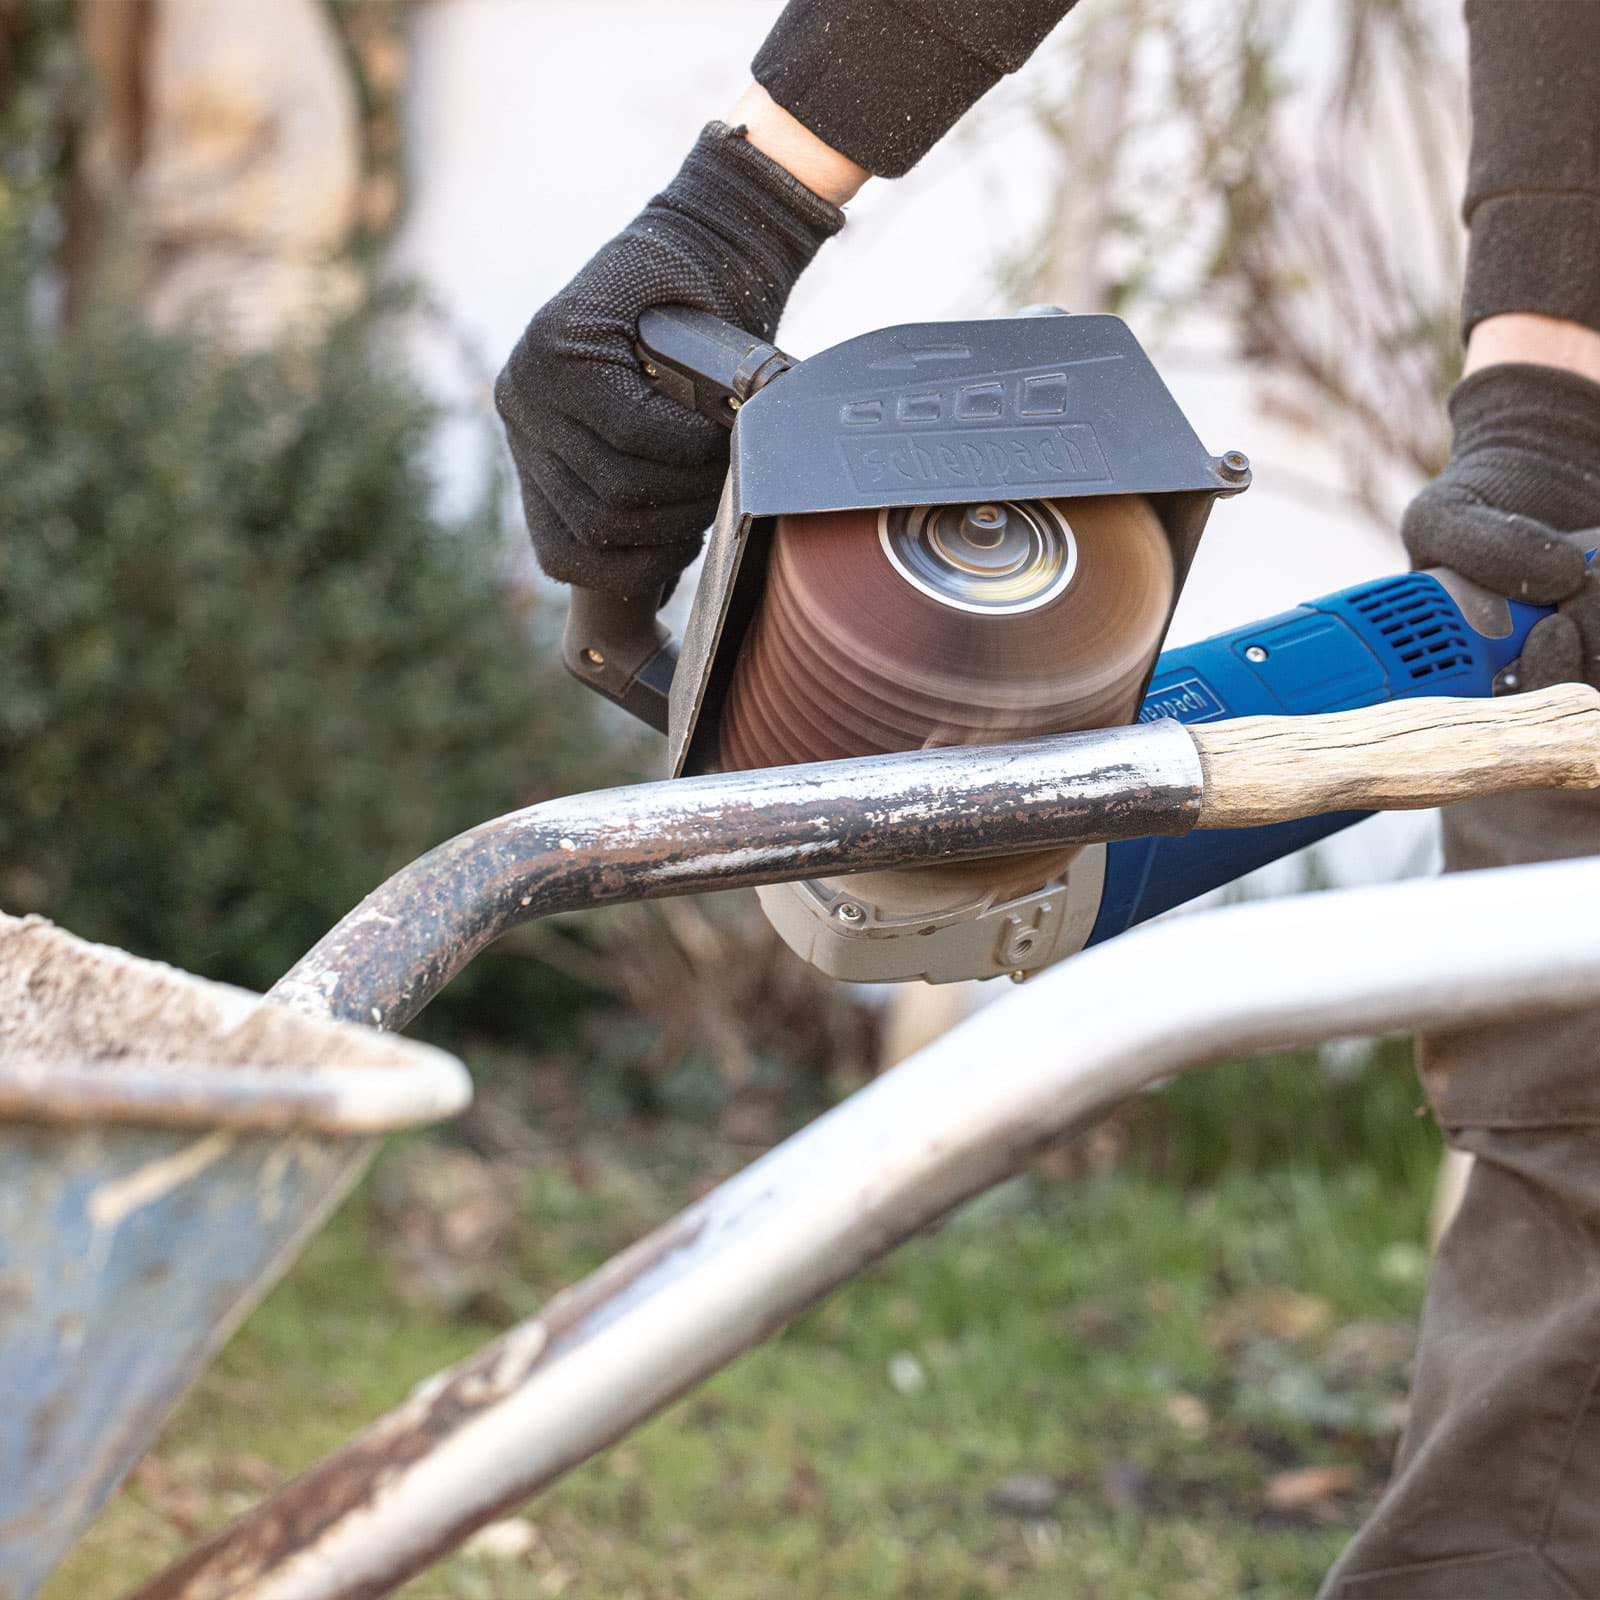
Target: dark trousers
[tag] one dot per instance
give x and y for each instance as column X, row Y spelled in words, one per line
column 1496, row 1486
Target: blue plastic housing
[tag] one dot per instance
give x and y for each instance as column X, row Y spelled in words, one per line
column 1393, row 639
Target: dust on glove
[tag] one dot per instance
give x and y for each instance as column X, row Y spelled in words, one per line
column 1565, row 648
column 619, row 482
column 1523, row 478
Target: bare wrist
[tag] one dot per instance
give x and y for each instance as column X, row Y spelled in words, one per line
column 1543, row 341
column 789, row 142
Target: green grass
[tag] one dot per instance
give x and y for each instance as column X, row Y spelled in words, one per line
column 1158, row 1352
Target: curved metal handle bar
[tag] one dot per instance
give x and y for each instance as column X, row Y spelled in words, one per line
column 956, row 1118
column 411, row 935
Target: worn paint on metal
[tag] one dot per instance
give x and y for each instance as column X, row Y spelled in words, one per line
column 288, row 1529
column 352, row 1100
column 127, row 1255
column 396, row 950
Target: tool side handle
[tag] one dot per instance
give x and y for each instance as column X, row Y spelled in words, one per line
column 705, row 364
column 616, row 645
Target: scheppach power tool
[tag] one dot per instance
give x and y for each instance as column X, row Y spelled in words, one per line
column 971, row 532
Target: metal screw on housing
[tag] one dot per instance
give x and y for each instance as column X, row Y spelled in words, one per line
column 849, row 912
column 1256, row 653
column 1234, row 466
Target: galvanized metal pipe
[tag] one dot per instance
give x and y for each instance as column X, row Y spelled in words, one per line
column 958, row 1117
column 404, row 942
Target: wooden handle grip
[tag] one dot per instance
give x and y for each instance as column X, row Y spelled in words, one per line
column 1400, row 756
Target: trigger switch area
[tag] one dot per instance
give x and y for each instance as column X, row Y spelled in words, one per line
column 1309, row 661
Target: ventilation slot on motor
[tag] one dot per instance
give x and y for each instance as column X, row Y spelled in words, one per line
column 1422, row 631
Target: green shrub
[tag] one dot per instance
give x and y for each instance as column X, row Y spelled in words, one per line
column 246, row 669
column 1288, row 1111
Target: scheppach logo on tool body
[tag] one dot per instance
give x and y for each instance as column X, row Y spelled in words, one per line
column 1187, row 700
column 971, row 435
column 1012, row 458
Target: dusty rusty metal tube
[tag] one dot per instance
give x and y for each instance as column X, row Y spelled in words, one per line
column 406, row 940
column 955, row 1119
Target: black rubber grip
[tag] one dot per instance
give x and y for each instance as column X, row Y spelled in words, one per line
column 704, row 363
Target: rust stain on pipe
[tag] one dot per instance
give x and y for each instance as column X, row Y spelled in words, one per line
column 294, row 1521
column 385, row 961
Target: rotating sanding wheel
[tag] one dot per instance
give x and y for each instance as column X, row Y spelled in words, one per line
column 901, row 629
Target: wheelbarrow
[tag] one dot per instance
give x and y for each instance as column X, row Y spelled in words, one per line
column 960, row 1116
column 166, row 1147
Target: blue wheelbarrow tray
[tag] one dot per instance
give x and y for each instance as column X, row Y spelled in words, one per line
column 166, row 1147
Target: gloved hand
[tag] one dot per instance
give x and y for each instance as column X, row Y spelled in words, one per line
column 1524, row 472
column 619, row 482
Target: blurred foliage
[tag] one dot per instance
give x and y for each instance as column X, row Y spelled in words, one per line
column 372, row 34
column 1300, row 1110
column 44, row 88
column 716, row 1020
column 1291, row 172
column 247, row 670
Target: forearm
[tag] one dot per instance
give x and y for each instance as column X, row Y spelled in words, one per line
column 1544, row 341
column 882, row 81
column 1525, row 419
column 1533, row 188
column 789, row 142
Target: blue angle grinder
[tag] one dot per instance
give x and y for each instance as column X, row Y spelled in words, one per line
column 1400, row 638
column 965, row 532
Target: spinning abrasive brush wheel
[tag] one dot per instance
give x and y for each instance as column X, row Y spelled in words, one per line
column 949, row 533
column 940, row 625
column 937, row 625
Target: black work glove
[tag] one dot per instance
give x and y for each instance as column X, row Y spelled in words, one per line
column 619, row 482
column 1523, row 475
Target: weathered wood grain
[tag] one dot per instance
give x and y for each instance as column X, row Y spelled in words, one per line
column 1399, row 756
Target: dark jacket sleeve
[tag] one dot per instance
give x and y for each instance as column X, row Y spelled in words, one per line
column 1533, row 185
column 882, row 81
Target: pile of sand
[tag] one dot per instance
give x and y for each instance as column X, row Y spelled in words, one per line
column 65, row 1000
